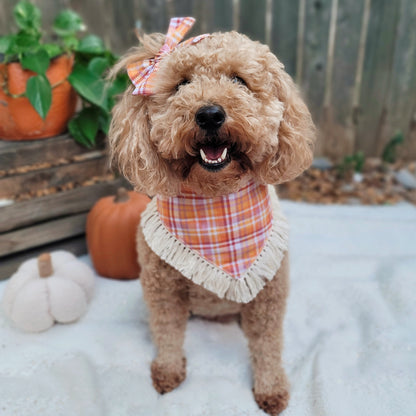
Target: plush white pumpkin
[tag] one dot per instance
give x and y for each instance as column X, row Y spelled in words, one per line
column 55, row 287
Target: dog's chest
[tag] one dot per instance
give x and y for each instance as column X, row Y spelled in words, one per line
column 205, row 303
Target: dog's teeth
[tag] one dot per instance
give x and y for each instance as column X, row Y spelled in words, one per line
column 224, row 154
column 212, row 161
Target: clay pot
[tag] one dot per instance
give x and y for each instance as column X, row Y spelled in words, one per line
column 18, row 119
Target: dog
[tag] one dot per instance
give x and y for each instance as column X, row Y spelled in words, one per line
column 206, row 127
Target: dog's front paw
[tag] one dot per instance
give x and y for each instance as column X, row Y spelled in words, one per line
column 272, row 404
column 167, row 376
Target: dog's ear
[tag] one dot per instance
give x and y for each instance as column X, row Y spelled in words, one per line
column 130, row 148
column 296, row 135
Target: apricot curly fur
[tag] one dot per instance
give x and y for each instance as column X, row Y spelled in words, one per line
column 154, row 142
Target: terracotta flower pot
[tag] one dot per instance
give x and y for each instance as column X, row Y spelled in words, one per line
column 18, row 119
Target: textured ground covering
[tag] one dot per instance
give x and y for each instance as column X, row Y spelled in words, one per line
column 350, row 344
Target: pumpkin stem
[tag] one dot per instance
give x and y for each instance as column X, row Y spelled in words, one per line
column 122, row 195
column 45, row 265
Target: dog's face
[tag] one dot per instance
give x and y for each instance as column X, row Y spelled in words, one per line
column 224, row 112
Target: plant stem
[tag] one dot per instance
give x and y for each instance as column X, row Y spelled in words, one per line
column 122, row 195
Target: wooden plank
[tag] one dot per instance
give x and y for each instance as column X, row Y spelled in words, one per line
column 51, row 177
column 14, row 154
column 222, row 16
column 152, row 15
column 37, row 235
column 401, row 97
column 203, row 11
column 121, row 16
column 252, row 19
column 377, row 68
column 284, row 33
column 6, row 22
column 337, row 124
column 22, row 214
column 315, row 46
column 97, row 15
column 9, row 264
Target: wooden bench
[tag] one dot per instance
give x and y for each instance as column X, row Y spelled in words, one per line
column 47, row 188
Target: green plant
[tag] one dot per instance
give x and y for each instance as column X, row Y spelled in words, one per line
column 389, row 151
column 354, row 162
column 92, row 59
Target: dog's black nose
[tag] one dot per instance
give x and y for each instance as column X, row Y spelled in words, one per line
column 210, row 117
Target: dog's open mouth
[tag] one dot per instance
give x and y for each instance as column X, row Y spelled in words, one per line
column 214, row 157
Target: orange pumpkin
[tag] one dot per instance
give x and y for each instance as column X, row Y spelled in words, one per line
column 111, row 234
column 18, row 119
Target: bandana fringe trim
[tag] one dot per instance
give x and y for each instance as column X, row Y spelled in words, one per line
column 202, row 272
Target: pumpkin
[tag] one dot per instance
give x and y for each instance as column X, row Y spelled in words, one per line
column 18, row 119
column 55, row 287
column 111, row 234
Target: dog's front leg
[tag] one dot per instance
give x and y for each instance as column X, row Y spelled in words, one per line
column 166, row 295
column 262, row 321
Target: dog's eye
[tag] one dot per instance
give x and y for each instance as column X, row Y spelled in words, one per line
column 183, row 82
column 238, row 80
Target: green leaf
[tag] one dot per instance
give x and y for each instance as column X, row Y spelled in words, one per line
column 68, row 23
column 52, row 49
column 117, row 86
column 71, row 42
column 83, row 125
column 76, row 133
column 27, row 16
column 98, row 65
column 39, row 92
column 23, row 42
column 105, row 120
column 37, row 62
column 89, row 86
column 88, row 121
column 389, row 151
column 5, row 42
column 91, row 44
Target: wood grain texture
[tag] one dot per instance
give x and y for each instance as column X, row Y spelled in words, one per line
column 15, row 154
column 285, row 32
column 338, row 124
column 317, row 16
column 40, row 234
column 51, row 177
column 252, row 19
column 22, row 214
column 378, row 62
column 387, row 90
column 401, row 97
column 10, row 264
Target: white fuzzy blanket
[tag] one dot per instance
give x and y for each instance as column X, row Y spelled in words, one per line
column 350, row 346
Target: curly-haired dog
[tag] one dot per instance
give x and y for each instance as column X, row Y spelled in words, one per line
column 207, row 125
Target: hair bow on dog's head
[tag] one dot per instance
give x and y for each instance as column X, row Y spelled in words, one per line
column 142, row 73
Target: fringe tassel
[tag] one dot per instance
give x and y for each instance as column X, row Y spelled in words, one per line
column 202, row 272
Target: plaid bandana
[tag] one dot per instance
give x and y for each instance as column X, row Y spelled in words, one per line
column 142, row 74
column 229, row 231
column 231, row 245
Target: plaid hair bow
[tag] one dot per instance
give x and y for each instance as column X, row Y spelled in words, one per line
column 142, row 73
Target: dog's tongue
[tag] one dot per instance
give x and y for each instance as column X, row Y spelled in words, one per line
column 213, row 153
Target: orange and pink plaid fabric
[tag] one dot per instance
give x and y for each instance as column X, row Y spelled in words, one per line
column 228, row 231
column 142, row 74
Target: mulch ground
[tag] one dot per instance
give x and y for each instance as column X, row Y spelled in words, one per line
column 377, row 184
